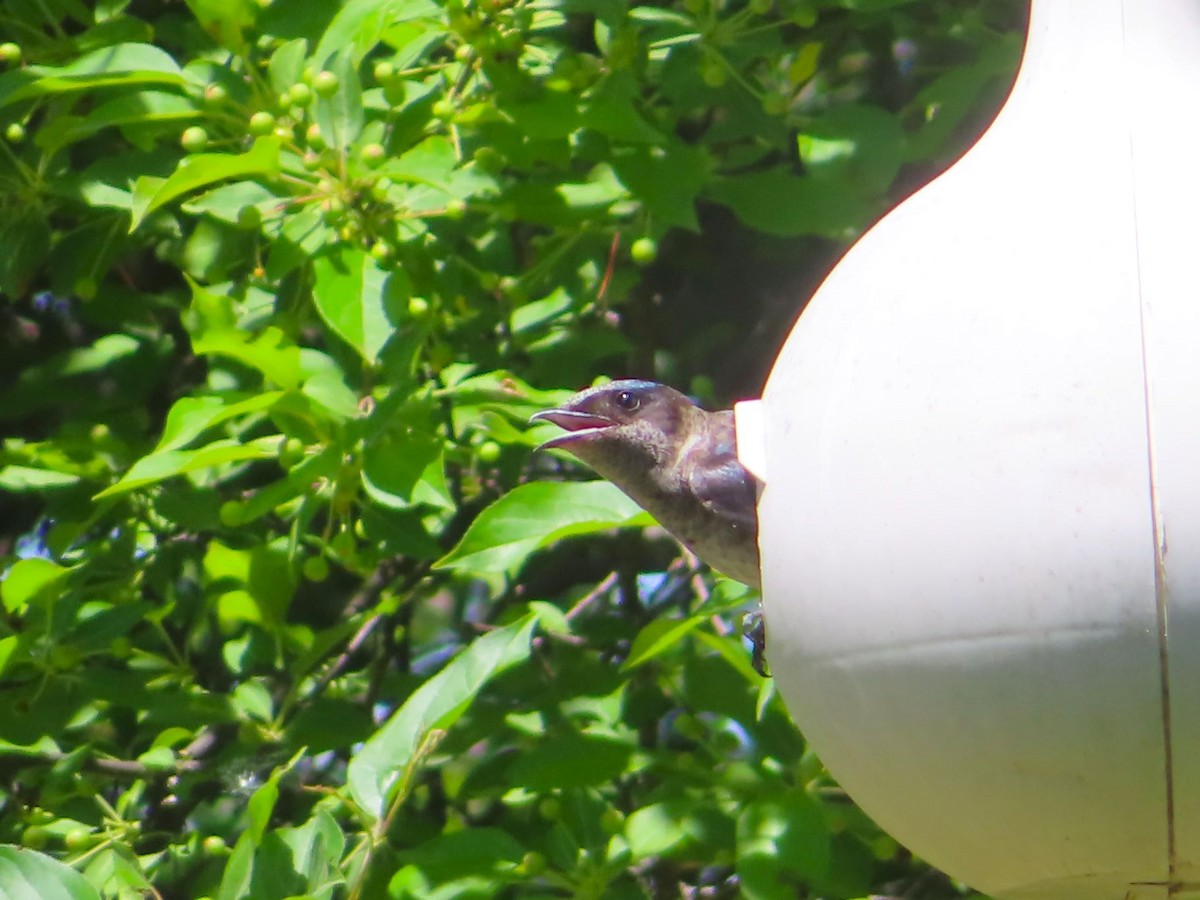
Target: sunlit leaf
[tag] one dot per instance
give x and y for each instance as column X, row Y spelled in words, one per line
column 34, row 580
column 358, row 299
column 436, row 705
column 28, row 875
column 160, row 466
column 200, row 170
column 535, row 515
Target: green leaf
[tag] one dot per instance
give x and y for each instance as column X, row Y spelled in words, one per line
column 480, row 851
column 27, row 875
column 270, row 352
column 360, row 301
column 858, row 145
column 120, row 64
column 229, row 200
column 262, row 802
column 658, row 637
column 27, row 478
column 299, row 480
column 251, row 585
column 8, row 646
column 340, row 116
column 403, row 468
column 666, row 179
column 781, row 839
column 360, row 24
column 677, row 828
column 225, row 20
column 252, row 700
column 159, row 466
column 215, row 331
column 733, row 651
column 26, row 242
column 535, row 515
column 36, row 581
column 287, row 65
column 617, row 117
column 784, row 204
column 571, row 760
column 435, row 706
column 143, row 107
column 953, row 96
column 200, row 170
column 190, row 417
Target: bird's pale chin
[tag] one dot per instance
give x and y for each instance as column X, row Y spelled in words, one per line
column 580, row 426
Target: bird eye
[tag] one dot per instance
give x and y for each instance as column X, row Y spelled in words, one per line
column 628, row 401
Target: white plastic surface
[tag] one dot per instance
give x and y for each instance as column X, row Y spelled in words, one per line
column 749, row 426
column 981, row 524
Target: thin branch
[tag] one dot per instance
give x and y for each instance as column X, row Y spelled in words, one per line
column 591, row 596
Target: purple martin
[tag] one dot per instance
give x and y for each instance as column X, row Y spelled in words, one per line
column 675, row 460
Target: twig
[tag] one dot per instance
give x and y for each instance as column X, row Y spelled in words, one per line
column 591, row 596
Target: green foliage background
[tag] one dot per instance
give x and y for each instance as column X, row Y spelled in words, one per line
column 290, row 609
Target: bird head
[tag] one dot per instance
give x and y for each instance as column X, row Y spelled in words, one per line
column 636, row 414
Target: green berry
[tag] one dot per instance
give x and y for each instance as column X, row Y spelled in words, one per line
column 381, row 251
column 10, row 53
column 85, row 288
column 261, row 123
column 315, row 568
column 381, row 188
column 343, row 545
column 291, row 451
column 385, row 72
column 489, row 453
column 325, row 84
column 35, row 837
column 194, row 139
column 214, row 94
column 489, row 159
column 644, row 251
column 230, row 514
column 373, row 154
column 456, row 209
column 443, row 109
column 249, row 218
column 550, row 808
column 713, row 73
column 418, row 307
column 774, row 104
column 311, row 161
column 14, row 133
column 314, row 138
column 623, row 50
column 533, row 864
column 395, row 92
column 612, row 821
column 299, row 94
column 213, row 845
column 78, row 839
column 334, row 210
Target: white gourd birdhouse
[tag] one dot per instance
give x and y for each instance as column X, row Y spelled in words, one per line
column 980, row 528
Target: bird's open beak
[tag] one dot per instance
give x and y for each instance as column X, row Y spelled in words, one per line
column 578, row 425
